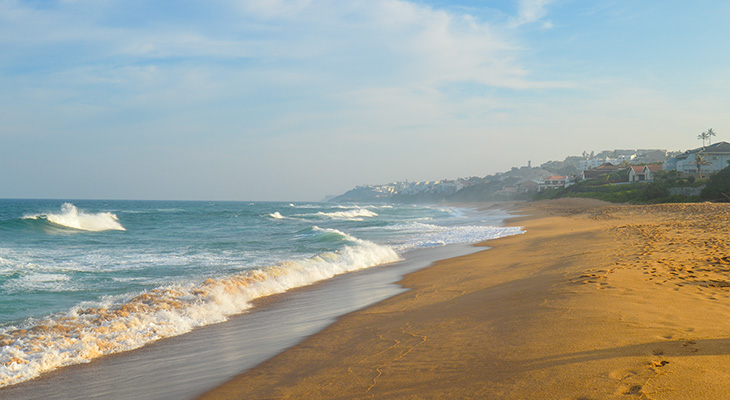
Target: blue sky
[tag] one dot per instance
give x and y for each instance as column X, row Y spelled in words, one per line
column 297, row 99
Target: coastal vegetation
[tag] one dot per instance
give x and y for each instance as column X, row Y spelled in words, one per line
column 657, row 191
column 699, row 162
column 667, row 187
column 718, row 187
column 706, row 135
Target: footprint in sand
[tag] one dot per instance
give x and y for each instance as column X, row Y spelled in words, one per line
column 690, row 346
column 634, row 390
column 620, row 375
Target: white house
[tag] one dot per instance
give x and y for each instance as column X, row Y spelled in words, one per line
column 715, row 155
column 636, row 173
column 643, row 173
column 554, row 182
column 650, row 170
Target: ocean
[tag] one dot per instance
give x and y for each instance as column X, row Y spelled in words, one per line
column 84, row 279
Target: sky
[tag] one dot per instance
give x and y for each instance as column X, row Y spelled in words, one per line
column 297, row 99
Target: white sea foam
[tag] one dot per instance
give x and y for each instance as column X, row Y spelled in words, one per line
column 45, row 282
column 71, row 217
column 305, row 205
column 434, row 235
column 356, row 214
column 115, row 325
column 276, row 215
column 338, row 233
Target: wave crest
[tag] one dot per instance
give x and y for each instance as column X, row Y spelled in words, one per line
column 276, row 215
column 356, row 214
column 88, row 332
column 71, row 217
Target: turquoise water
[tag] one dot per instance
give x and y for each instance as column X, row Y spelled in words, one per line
column 82, row 279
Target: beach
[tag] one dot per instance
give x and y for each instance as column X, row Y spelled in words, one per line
column 593, row 301
column 204, row 290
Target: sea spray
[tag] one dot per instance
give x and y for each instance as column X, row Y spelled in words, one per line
column 73, row 287
column 71, row 217
column 349, row 214
column 87, row 332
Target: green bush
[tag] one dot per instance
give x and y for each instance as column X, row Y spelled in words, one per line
column 636, row 193
column 718, row 187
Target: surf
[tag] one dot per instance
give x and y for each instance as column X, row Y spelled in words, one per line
column 94, row 329
column 71, row 217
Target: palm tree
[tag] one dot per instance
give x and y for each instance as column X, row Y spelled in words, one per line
column 700, row 161
column 710, row 133
column 702, row 136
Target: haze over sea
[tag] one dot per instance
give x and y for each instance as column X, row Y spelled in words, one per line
column 83, row 279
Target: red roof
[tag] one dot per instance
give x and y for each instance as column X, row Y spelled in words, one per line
column 607, row 166
column 654, row 167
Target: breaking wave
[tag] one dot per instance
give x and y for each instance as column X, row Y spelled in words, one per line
column 119, row 324
column 71, row 217
column 435, row 235
column 356, row 214
column 276, row 215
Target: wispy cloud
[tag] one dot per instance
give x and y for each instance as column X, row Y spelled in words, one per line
column 530, row 11
column 310, row 47
column 232, row 77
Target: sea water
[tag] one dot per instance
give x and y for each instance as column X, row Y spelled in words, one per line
column 84, row 279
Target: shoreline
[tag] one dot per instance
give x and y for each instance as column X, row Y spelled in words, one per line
column 593, row 301
column 218, row 352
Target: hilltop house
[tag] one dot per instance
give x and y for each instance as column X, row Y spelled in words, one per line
column 601, row 171
column 716, row 155
column 552, row 182
column 643, row 173
column 650, row 170
column 636, row 173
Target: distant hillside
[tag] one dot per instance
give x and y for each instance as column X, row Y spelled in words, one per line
column 502, row 186
column 517, row 183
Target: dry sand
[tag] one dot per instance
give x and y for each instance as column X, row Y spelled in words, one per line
column 592, row 302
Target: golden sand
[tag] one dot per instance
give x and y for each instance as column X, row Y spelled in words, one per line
column 593, row 302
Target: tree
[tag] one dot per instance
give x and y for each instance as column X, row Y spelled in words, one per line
column 710, row 133
column 718, row 188
column 702, row 136
column 700, row 161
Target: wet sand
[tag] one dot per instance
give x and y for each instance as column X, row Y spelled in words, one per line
column 185, row 366
column 593, row 302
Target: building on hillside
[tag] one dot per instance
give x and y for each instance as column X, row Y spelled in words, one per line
column 650, row 170
column 652, row 156
column 527, row 186
column 448, row 187
column 636, row 173
column 602, row 170
column 616, row 157
column 715, row 155
column 552, row 182
column 643, row 173
column 596, row 162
